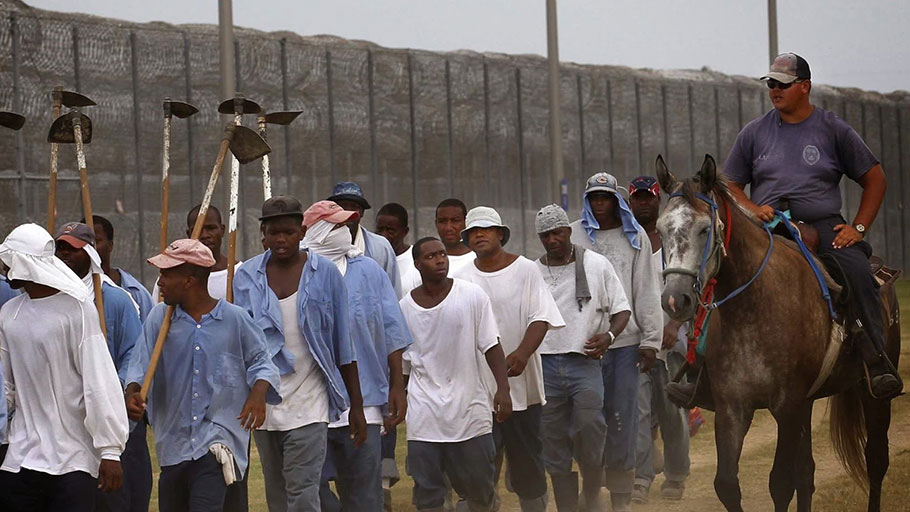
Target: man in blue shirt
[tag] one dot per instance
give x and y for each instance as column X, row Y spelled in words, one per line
column 214, row 379
column 299, row 300
column 104, row 244
column 349, row 196
column 74, row 244
column 380, row 336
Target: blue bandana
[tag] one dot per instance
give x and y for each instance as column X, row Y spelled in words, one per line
column 630, row 226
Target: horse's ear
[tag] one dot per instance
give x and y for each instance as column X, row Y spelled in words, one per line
column 667, row 181
column 707, row 176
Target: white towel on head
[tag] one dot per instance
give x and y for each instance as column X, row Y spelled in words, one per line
column 28, row 251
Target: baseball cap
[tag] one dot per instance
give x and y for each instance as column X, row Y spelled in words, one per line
column 484, row 217
column 350, row 191
column 328, row 211
column 76, row 234
column 185, row 250
column 648, row 183
column 788, row 67
column 601, row 182
column 280, row 206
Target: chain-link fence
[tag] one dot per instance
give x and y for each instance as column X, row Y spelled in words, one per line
column 410, row 126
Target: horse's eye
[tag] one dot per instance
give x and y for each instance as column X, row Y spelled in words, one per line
column 704, row 231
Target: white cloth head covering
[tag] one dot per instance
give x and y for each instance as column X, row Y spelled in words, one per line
column 334, row 244
column 28, row 251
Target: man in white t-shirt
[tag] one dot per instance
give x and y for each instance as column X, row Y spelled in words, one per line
column 392, row 223
column 211, row 236
column 594, row 306
column 450, row 421
column 654, row 406
column 524, row 311
column 450, row 218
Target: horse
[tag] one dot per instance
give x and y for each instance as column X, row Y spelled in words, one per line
column 767, row 340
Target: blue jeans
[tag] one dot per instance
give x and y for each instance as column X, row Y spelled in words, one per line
column 572, row 423
column 356, row 472
column 620, row 379
column 655, row 408
column 468, row 465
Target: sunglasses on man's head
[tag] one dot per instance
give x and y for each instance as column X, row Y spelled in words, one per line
column 774, row 84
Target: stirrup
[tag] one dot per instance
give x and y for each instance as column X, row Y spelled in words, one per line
column 888, row 394
column 680, row 398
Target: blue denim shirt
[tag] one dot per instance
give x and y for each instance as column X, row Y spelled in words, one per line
column 323, row 318
column 6, row 293
column 377, row 326
column 204, row 376
column 123, row 327
column 138, row 292
column 380, row 250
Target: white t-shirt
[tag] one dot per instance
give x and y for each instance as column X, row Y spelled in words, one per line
column 407, row 272
column 60, row 379
column 456, row 263
column 607, row 299
column 519, row 297
column 448, row 395
column 304, row 397
column 217, row 284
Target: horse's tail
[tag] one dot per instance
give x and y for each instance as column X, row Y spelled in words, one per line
column 848, row 433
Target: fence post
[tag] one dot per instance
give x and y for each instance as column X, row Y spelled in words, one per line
column 371, row 117
column 331, row 100
column 21, row 205
column 580, row 170
column 488, row 155
column 521, row 160
column 449, row 136
column 140, row 203
column 188, row 85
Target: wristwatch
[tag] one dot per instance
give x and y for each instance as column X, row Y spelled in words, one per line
column 861, row 228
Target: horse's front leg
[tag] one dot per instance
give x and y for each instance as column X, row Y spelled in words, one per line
column 732, row 424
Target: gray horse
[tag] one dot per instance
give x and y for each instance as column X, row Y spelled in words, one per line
column 766, row 345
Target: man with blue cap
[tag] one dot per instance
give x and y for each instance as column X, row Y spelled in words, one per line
column 349, row 196
column 608, row 227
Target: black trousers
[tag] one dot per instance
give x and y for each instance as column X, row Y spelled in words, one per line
column 520, row 437
column 137, row 477
column 192, row 486
column 33, row 491
column 855, row 262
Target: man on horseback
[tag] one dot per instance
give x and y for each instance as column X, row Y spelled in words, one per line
column 797, row 154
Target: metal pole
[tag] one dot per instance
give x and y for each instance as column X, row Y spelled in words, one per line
column 188, row 83
column 772, row 30
column 137, row 160
column 556, row 164
column 412, row 123
column 17, row 106
column 226, row 49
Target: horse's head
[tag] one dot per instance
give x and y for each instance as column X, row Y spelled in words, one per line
column 691, row 236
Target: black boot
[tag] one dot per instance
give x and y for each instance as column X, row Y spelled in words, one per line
column 884, row 382
column 565, row 492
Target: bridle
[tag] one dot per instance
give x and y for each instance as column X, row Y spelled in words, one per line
column 716, row 250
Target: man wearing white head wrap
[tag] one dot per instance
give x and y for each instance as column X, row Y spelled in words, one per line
column 70, row 425
column 75, row 244
column 380, row 336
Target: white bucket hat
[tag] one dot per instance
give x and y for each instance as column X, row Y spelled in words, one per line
column 484, row 217
column 28, row 251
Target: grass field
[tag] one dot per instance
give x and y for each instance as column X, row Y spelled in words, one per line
column 835, row 492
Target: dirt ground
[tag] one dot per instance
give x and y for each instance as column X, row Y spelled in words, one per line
column 835, row 492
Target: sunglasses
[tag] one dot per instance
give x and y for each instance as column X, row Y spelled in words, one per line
column 774, row 84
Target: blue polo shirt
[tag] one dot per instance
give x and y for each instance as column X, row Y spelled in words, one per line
column 204, row 376
column 123, row 327
column 323, row 318
column 138, row 292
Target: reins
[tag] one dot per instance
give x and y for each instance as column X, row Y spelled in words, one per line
column 717, row 248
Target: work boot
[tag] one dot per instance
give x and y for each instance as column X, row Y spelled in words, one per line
column 641, row 494
column 671, row 490
column 682, row 394
column 884, row 383
column 621, row 501
column 565, row 492
column 534, row 505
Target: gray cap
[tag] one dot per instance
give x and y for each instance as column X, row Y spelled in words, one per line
column 550, row 217
column 601, row 182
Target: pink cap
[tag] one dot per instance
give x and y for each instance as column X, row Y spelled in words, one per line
column 328, row 211
column 186, row 250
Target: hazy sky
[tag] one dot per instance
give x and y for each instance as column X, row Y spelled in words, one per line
column 846, row 42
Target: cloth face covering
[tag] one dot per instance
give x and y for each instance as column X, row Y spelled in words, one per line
column 334, row 244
